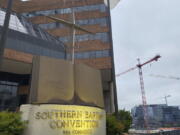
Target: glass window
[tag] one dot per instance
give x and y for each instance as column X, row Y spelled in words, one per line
column 92, row 54
column 98, row 54
column 8, row 96
column 98, row 36
column 105, row 53
column 86, row 55
column 100, row 7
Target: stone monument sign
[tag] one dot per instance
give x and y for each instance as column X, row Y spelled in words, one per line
column 65, row 99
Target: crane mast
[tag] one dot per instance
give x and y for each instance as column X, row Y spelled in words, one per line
column 144, row 102
column 143, row 94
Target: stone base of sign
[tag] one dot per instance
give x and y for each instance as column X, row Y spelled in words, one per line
column 50, row 119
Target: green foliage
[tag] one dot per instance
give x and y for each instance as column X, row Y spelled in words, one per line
column 125, row 118
column 113, row 126
column 117, row 127
column 11, row 124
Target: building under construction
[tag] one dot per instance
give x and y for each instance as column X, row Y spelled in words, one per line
column 52, row 38
column 158, row 116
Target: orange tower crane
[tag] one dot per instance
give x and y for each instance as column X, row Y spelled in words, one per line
column 139, row 66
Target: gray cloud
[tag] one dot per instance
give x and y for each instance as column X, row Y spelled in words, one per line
column 142, row 29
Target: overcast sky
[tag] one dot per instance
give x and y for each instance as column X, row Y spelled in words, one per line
column 142, row 29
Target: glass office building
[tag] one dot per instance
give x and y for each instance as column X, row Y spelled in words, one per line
column 95, row 49
column 158, row 115
column 90, row 15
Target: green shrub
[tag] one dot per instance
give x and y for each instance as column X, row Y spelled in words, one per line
column 125, row 118
column 117, row 127
column 113, row 126
column 11, row 124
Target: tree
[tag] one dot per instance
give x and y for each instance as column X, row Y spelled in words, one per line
column 118, row 126
column 113, row 126
column 125, row 118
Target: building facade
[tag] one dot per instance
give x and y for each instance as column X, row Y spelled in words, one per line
column 24, row 40
column 94, row 49
column 158, row 116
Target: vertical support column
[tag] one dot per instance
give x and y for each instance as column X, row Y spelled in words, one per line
column 112, row 97
column 143, row 95
column 113, row 65
column 5, row 30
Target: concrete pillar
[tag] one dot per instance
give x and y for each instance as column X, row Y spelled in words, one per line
column 112, row 98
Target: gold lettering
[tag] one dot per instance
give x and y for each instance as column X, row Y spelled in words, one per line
column 53, row 124
column 82, row 121
column 59, row 124
column 78, row 124
column 44, row 115
column 72, row 123
column 37, row 115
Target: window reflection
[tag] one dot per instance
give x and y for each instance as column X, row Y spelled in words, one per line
column 8, row 95
column 101, row 21
column 93, row 54
column 100, row 7
column 104, row 37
